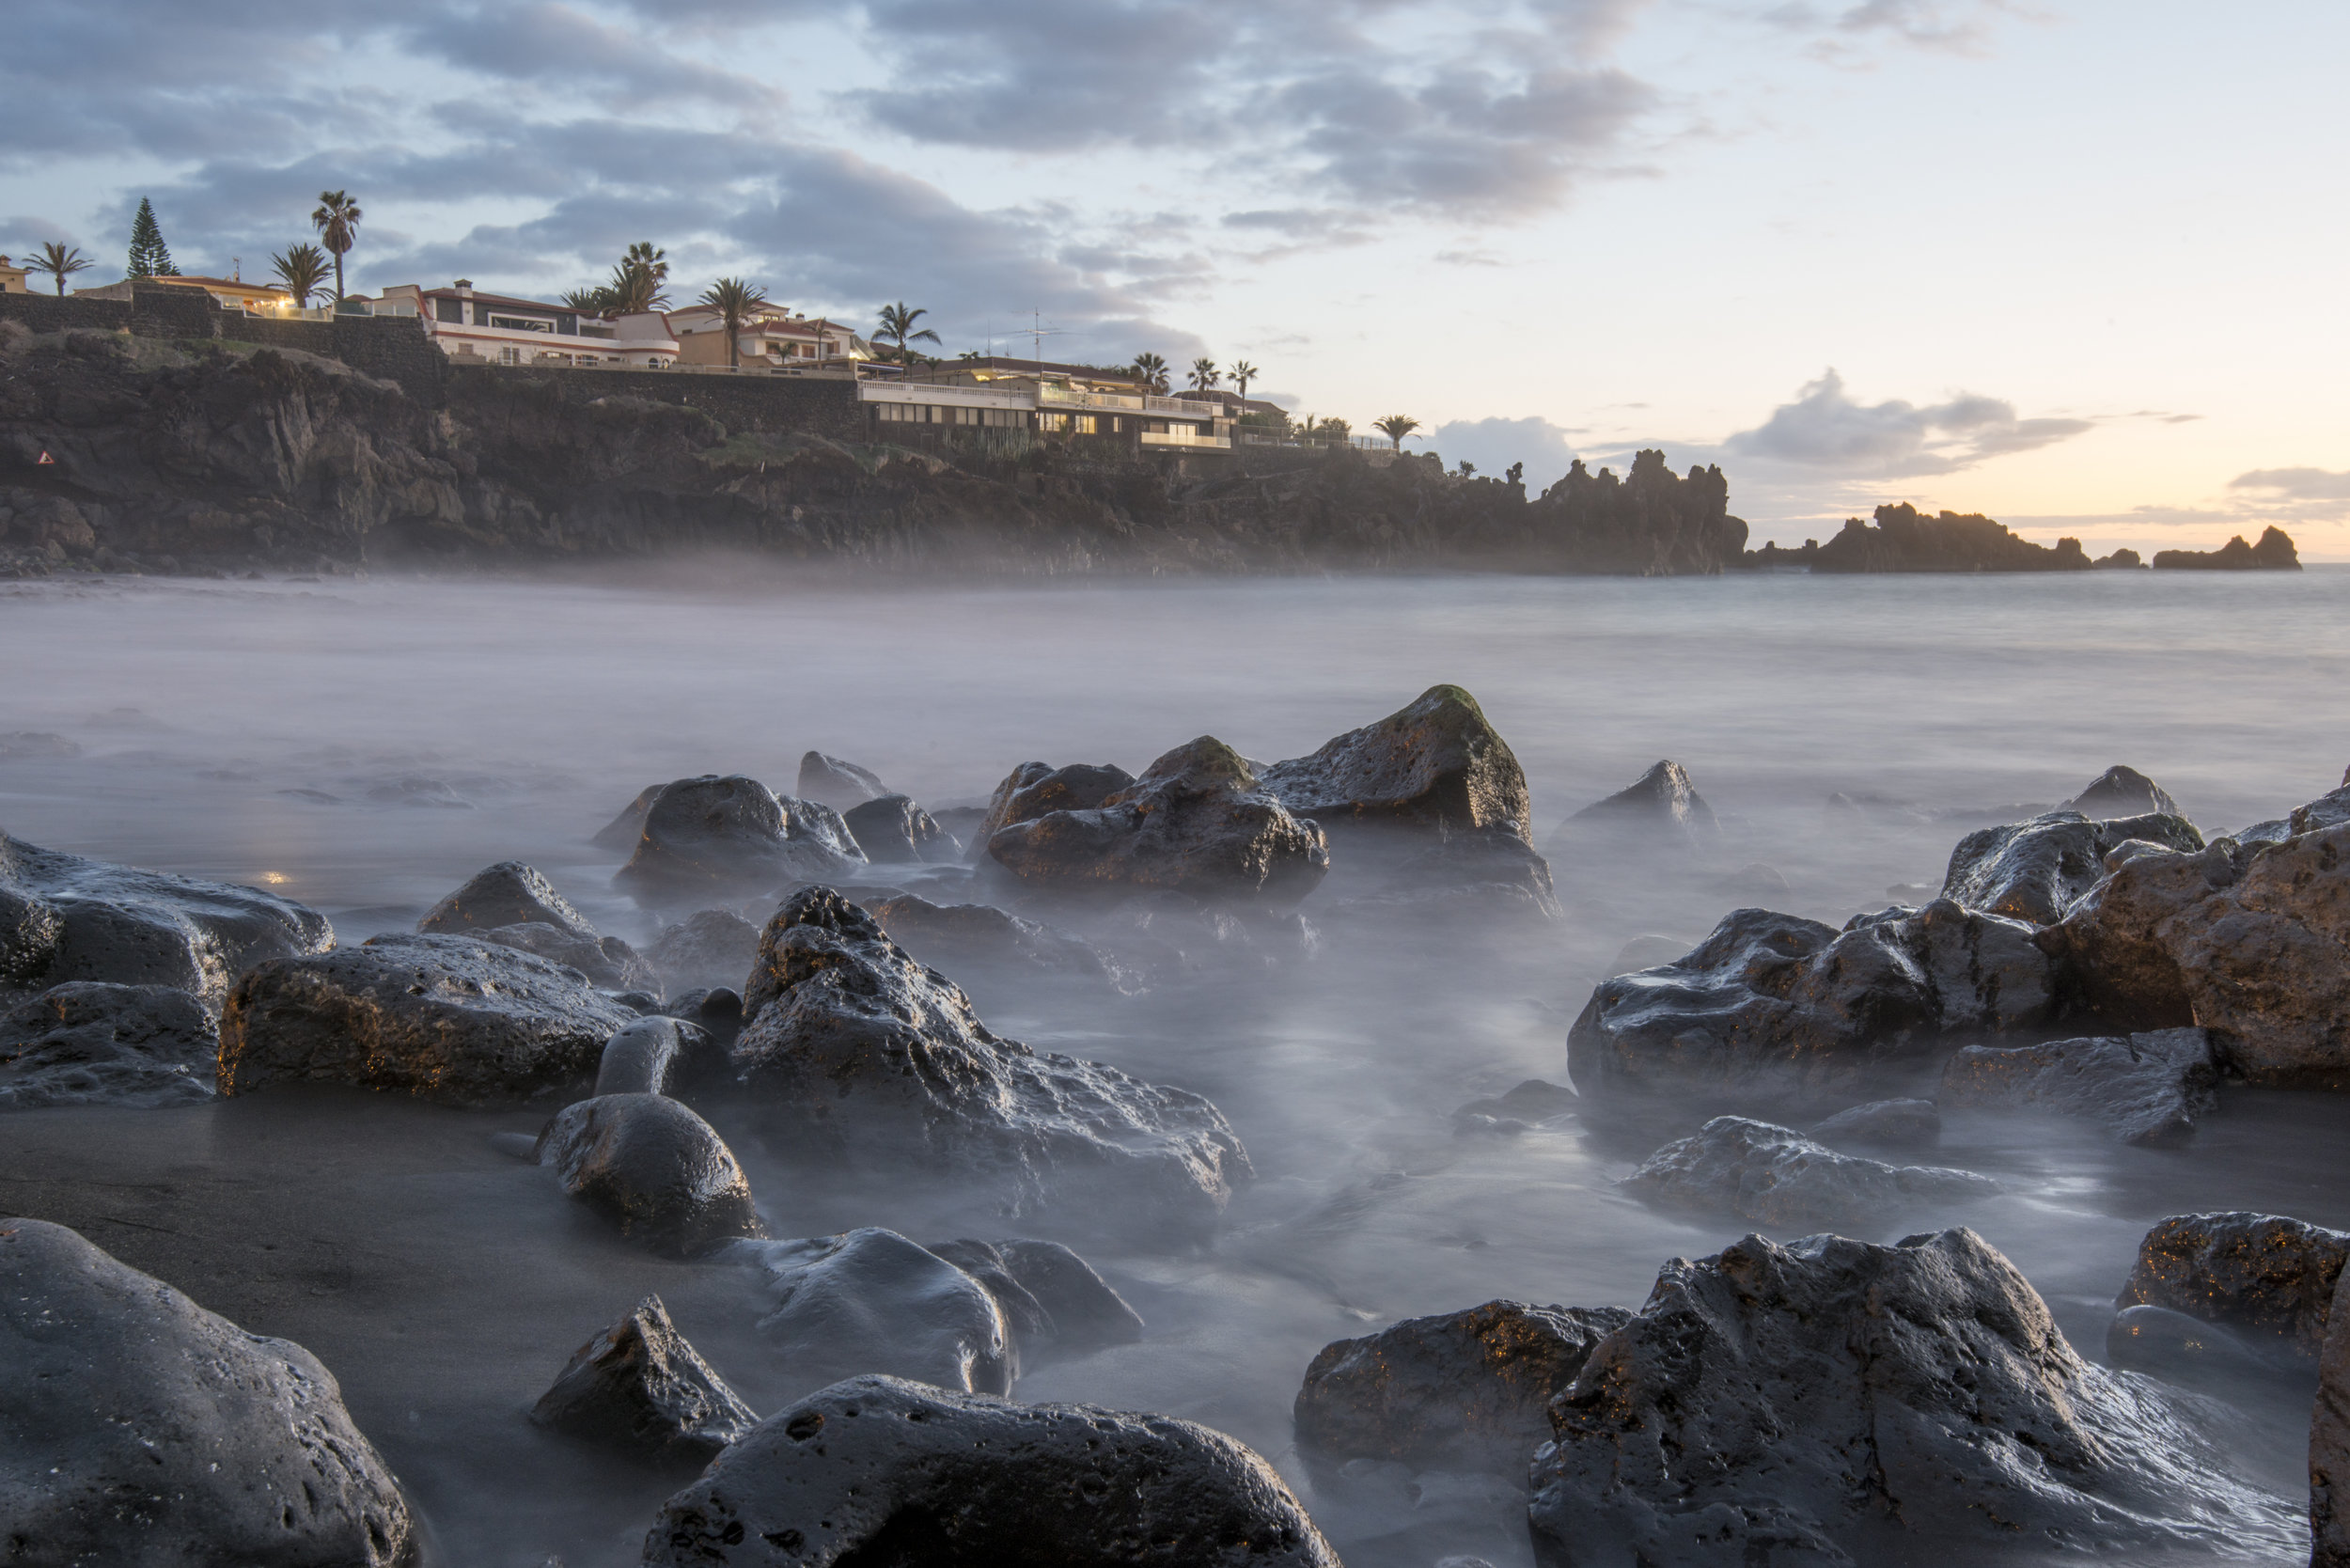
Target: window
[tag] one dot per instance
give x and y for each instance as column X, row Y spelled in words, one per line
column 509, row 356
column 522, row 324
column 452, row 311
column 1057, row 422
column 1085, row 424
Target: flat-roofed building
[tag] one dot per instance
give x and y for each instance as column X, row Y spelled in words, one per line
column 771, row 339
column 475, row 327
column 262, row 299
column 12, row 278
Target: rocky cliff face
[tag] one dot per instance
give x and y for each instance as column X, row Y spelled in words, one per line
column 219, row 458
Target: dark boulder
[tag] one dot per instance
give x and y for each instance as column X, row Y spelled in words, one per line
column 718, row 1010
column 620, row 833
column 141, row 1429
column 1883, row 1123
column 1457, row 1391
column 862, row 1053
column 1195, row 823
column 1776, row 1006
column 640, row 1387
column 1437, row 764
column 452, row 1019
column 1830, row 1402
column 835, row 783
column 2035, row 870
column 733, row 835
column 871, row 1301
column 894, row 831
column 2330, row 1449
column 2121, row 791
column 1663, row 806
column 979, row 935
column 654, row 1169
column 2249, row 941
column 659, row 1056
column 717, row 947
column 507, row 894
column 2144, row 1087
column 1034, row 789
column 879, row 1470
column 2266, row 1276
column 1052, row 1299
column 89, row 1043
column 2274, row 552
column 1779, row 1177
column 607, row 963
column 63, row 917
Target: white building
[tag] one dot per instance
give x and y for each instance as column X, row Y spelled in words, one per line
column 772, row 338
column 473, row 327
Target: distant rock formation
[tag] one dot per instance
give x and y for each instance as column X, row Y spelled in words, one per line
column 2274, row 552
column 1906, row 539
column 1650, row 524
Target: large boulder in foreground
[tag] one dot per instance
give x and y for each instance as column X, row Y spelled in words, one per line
column 1779, row 1177
column 2270, row 1278
column 870, row 1301
column 878, row 1471
column 1035, row 790
column 2330, row 1449
column 2142, row 1087
column 1457, row 1391
column 652, row 1168
column 1775, row 1007
column 452, row 1019
column 138, row 1428
column 64, row 917
column 1437, row 764
column 732, row 835
column 89, row 1043
column 2035, row 870
column 1195, row 823
column 860, row 1054
column 2249, row 941
column 509, row 893
column 640, row 1387
column 1832, row 1402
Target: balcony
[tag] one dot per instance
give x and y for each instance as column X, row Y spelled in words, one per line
column 1187, row 437
column 1050, row 396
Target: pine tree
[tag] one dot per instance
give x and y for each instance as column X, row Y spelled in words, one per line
column 150, row 256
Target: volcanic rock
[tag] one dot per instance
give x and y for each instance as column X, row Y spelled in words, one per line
column 141, row 1429
column 63, row 917
column 2121, row 791
column 893, row 830
column 2035, row 870
column 1662, row 804
column 871, row 1301
column 1034, row 789
column 1195, row 822
column 1490, row 872
column 89, row 1043
column 865, row 1054
column 2269, row 1277
column 509, row 893
column 1437, row 764
column 652, row 1168
column 2249, row 941
column 1829, row 1402
column 605, row 962
column 978, row 934
column 733, row 835
column 2330, row 1449
column 623, row 831
column 1777, row 1006
column 1458, row 1391
column 1779, row 1177
column 1051, row 1298
column 659, row 1056
column 452, row 1019
column 2145, row 1089
column 1885, row 1123
column 881, row 1470
column 640, row 1387
column 716, row 947
column 2274, row 552
column 835, row 783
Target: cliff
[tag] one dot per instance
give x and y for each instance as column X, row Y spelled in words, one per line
column 2274, row 552
column 210, row 456
column 1906, row 539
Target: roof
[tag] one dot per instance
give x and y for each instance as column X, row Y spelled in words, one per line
column 199, row 281
column 505, row 301
column 704, row 317
column 1040, row 367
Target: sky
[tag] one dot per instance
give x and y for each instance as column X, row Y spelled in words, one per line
column 2076, row 265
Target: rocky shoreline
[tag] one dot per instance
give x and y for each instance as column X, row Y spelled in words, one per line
column 1818, row 1399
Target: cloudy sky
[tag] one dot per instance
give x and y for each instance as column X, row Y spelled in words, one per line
column 2075, row 263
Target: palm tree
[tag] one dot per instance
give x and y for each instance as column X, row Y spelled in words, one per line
column 897, row 323
column 302, row 270
column 1243, row 373
column 589, row 302
column 650, row 258
column 734, row 300
column 1204, row 374
column 337, row 223
column 1152, row 370
column 1396, row 426
column 60, row 261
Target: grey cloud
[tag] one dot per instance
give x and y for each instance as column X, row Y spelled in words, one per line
column 541, row 41
column 2296, row 485
column 1961, row 27
column 1492, row 445
column 1825, row 429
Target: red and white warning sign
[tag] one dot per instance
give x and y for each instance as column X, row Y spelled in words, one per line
column 46, row 458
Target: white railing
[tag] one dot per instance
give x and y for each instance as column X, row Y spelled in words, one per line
column 1184, row 406
column 1185, row 437
column 1064, row 397
column 959, row 396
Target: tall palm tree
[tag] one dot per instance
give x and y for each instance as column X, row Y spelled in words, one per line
column 589, row 302
column 1396, row 426
column 60, row 261
column 1243, row 373
column 337, row 223
column 1204, row 374
column 1152, row 370
column 734, row 300
column 302, row 270
column 897, row 323
column 650, row 256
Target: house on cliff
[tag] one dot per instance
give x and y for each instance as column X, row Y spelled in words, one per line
column 12, row 278
column 772, row 338
column 474, row 328
column 229, row 293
